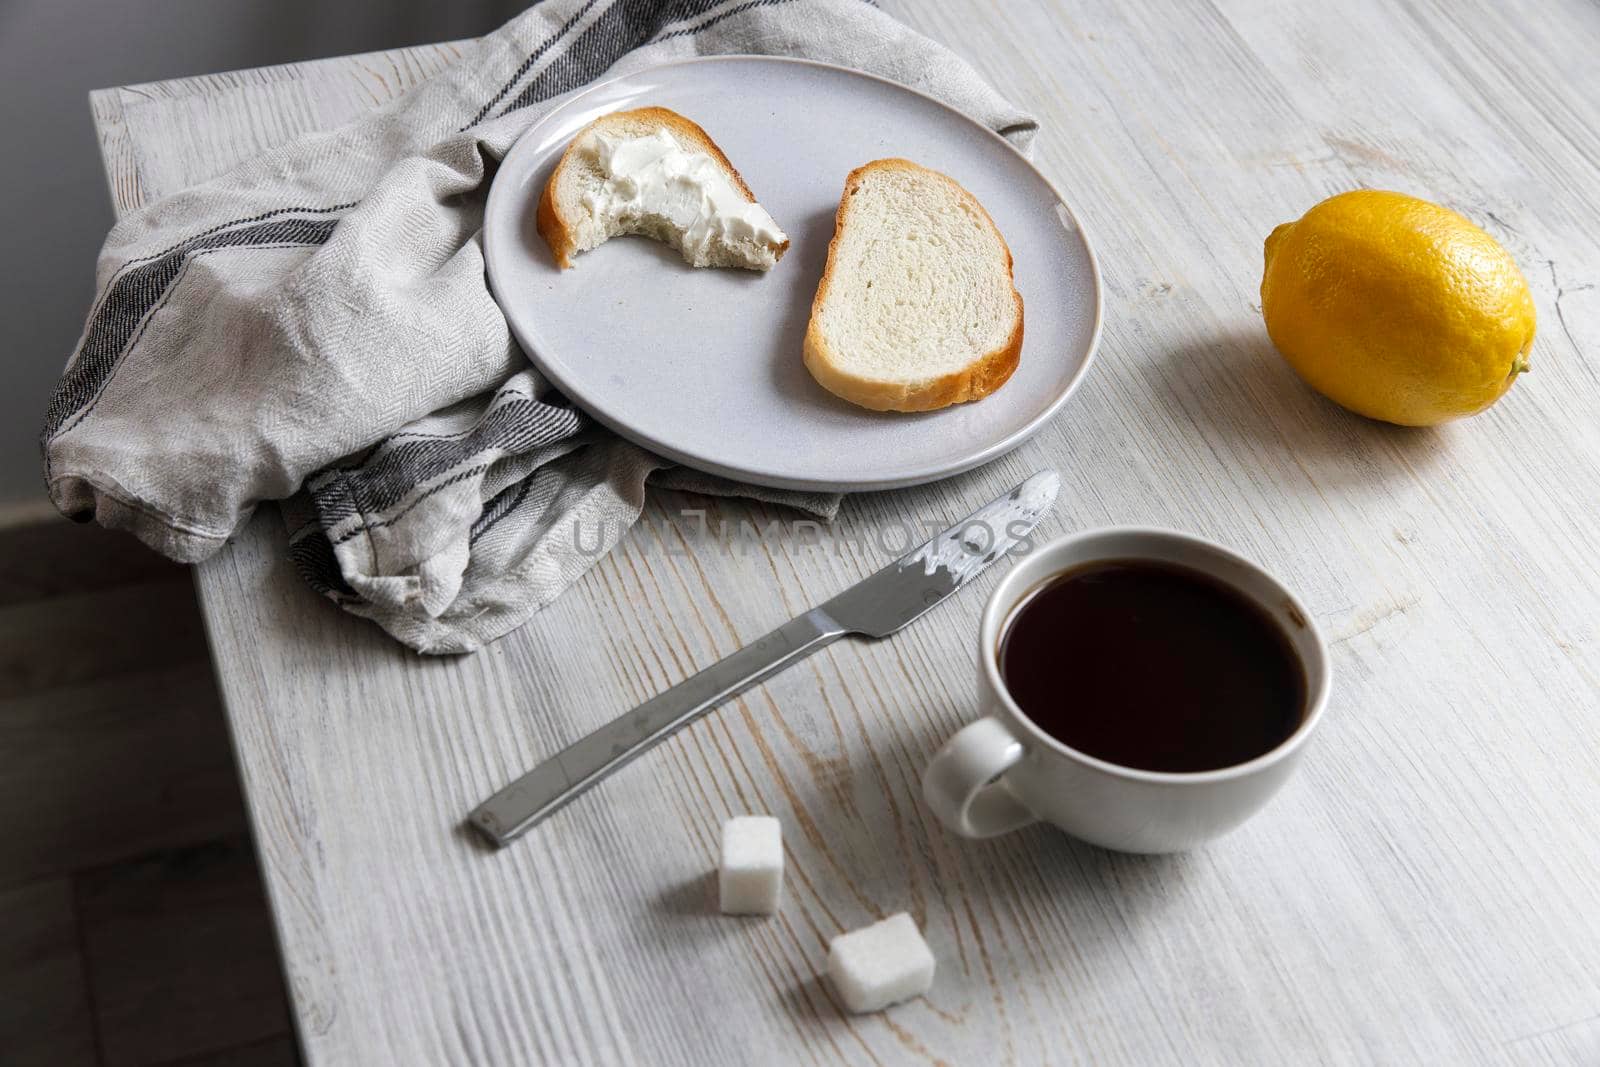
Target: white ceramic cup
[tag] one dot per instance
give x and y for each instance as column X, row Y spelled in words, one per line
column 1003, row 772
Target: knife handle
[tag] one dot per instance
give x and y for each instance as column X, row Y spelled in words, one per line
column 519, row 806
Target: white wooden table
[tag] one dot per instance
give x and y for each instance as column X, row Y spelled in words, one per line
column 1425, row 891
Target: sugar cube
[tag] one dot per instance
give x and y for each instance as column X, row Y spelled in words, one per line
column 751, row 875
column 881, row 964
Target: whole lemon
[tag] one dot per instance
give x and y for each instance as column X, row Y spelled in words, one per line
column 1399, row 309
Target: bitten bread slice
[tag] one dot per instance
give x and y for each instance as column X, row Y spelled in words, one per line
column 916, row 309
column 653, row 172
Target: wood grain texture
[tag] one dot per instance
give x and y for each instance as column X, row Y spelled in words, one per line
column 179, row 951
column 113, row 745
column 273, row 1052
column 52, row 557
column 114, row 767
column 44, row 996
column 134, row 627
column 1421, row 892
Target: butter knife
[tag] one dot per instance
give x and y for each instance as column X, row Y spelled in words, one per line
column 875, row 607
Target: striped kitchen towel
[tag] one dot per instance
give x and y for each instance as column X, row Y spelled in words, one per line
column 315, row 327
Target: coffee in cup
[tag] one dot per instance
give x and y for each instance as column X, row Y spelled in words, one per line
column 1143, row 689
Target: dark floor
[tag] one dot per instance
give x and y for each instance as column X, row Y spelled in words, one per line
column 133, row 928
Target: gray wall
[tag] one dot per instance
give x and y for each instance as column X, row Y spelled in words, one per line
column 54, row 209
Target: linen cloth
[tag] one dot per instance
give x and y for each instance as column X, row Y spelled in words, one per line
column 315, row 327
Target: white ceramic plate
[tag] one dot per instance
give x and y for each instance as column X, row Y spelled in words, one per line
column 704, row 366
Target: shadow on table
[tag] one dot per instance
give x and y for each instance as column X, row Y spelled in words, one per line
column 981, row 887
column 696, row 895
column 472, row 839
column 1235, row 388
column 812, row 997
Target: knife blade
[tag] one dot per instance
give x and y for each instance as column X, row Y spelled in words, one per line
column 875, row 607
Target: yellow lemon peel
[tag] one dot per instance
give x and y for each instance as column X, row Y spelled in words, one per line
column 1396, row 308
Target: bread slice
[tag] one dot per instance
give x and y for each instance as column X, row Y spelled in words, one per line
column 917, row 309
column 705, row 211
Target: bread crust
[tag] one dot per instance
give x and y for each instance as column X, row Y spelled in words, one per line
column 556, row 229
column 973, row 382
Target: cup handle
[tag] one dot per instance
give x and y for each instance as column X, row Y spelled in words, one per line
column 959, row 783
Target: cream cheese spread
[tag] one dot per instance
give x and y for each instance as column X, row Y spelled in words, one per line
column 656, row 176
